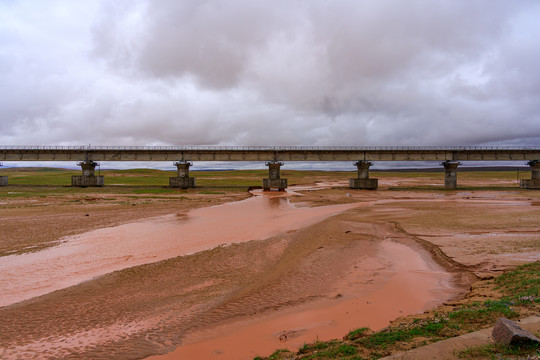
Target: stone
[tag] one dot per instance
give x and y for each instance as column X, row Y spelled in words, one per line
column 508, row 332
column 85, row 181
column 182, row 182
column 88, row 177
column 529, row 184
column 362, row 181
column 281, row 184
column 274, row 178
column 182, row 179
column 450, row 174
column 367, row 184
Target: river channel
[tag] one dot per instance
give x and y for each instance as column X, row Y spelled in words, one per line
column 386, row 276
column 91, row 254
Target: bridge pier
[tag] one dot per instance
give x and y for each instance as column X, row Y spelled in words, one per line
column 88, row 178
column 534, row 181
column 274, row 180
column 3, row 179
column 182, row 179
column 450, row 174
column 363, row 181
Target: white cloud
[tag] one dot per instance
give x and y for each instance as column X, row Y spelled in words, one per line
column 263, row 73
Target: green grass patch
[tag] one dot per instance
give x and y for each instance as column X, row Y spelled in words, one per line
column 484, row 313
column 240, row 178
column 357, row 334
column 498, row 351
column 328, row 350
column 317, row 346
column 522, row 284
column 382, row 340
column 280, row 353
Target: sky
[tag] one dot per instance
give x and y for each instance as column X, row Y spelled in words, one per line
column 237, row 72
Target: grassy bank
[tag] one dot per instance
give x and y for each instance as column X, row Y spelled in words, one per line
column 151, row 178
column 518, row 297
column 152, row 181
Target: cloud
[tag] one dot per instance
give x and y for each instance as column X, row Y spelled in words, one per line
column 270, row 73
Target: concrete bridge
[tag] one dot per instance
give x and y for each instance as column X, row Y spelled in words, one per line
column 274, row 157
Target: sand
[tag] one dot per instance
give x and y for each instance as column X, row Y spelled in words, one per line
column 247, row 296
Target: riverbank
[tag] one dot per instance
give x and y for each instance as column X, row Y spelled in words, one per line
column 457, row 330
column 151, row 309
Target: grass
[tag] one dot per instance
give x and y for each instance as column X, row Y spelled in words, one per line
column 140, row 181
column 357, row 334
column 154, row 181
column 483, row 313
column 384, row 339
column 519, row 289
column 522, row 284
column 328, row 350
column 497, row 351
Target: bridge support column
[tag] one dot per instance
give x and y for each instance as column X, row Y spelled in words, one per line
column 182, row 179
column 534, row 181
column 3, row 179
column 363, row 181
column 274, row 180
column 450, row 174
column 88, row 178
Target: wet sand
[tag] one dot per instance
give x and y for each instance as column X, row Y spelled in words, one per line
column 347, row 269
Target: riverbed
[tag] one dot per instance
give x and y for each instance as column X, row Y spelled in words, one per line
column 244, row 278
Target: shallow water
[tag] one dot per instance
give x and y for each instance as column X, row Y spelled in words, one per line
column 88, row 255
column 400, row 281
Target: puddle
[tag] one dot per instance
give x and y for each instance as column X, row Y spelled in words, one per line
column 89, row 255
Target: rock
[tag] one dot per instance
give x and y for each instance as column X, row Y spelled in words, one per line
column 509, row 332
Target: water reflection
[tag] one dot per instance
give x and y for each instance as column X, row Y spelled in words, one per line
column 274, row 203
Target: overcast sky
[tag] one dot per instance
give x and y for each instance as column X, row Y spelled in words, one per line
column 251, row 72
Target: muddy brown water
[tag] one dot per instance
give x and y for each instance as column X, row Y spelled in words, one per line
column 86, row 256
column 394, row 280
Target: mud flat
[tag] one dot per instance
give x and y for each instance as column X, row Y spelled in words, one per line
column 374, row 257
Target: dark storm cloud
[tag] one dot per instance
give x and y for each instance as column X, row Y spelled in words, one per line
column 259, row 73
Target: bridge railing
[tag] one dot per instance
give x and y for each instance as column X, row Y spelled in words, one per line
column 265, row 148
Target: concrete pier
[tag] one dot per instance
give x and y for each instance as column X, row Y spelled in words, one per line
column 450, row 174
column 3, row 179
column 88, row 178
column 182, row 179
column 363, row 181
column 274, row 179
column 534, row 181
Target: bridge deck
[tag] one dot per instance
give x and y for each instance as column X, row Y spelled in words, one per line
column 266, row 153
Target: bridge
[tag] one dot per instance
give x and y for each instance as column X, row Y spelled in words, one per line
column 274, row 157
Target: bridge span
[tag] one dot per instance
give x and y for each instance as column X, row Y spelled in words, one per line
column 274, row 157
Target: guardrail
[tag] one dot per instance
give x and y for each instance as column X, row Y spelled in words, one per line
column 267, row 148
